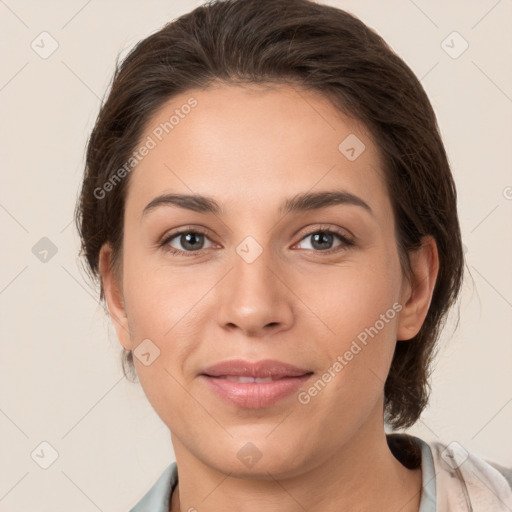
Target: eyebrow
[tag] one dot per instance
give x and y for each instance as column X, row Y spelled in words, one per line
column 299, row 203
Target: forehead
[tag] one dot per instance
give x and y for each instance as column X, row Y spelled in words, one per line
column 252, row 145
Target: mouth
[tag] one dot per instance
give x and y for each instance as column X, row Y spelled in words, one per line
column 254, row 385
column 265, row 369
column 245, row 380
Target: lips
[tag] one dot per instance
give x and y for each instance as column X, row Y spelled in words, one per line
column 254, row 385
column 267, row 369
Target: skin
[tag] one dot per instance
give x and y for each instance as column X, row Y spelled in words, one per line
column 251, row 148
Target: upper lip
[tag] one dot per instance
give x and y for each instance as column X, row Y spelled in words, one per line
column 258, row 369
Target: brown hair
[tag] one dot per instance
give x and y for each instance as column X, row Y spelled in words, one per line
column 315, row 47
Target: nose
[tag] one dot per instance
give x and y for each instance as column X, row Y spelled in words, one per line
column 254, row 299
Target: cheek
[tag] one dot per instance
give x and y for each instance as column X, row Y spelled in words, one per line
column 359, row 304
column 160, row 298
column 169, row 307
column 354, row 296
column 361, row 313
column 161, row 309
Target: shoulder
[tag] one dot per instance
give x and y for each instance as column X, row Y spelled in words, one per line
column 465, row 479
column 157, row 498
column 506, row 472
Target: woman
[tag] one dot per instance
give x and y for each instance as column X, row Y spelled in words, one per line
column 301, row 156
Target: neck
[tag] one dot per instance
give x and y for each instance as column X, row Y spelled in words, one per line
column 361, row 475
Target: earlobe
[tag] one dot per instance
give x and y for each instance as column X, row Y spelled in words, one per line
column 417, row 295
column 114, row 296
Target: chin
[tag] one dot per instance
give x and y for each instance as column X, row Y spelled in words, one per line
column 258, row 457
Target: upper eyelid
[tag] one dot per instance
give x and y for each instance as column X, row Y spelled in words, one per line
column 185, row 229
column 310, row 228
column 325, row 228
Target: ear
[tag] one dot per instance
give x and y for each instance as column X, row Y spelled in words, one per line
column 418, row 290
column 114, row 296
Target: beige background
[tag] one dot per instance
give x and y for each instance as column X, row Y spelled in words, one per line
column 60, row 378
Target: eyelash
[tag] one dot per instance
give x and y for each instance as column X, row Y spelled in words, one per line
column 347, row 242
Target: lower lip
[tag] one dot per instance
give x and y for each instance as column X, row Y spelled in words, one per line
column 254, row 395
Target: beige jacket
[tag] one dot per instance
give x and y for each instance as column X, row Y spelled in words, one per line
column 468, row 483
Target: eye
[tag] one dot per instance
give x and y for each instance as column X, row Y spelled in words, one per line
column 191, row 242
column 322, row 240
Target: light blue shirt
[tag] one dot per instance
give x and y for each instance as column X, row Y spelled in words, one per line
column 158, row 497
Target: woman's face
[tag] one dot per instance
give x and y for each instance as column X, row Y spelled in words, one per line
column 311, row 286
